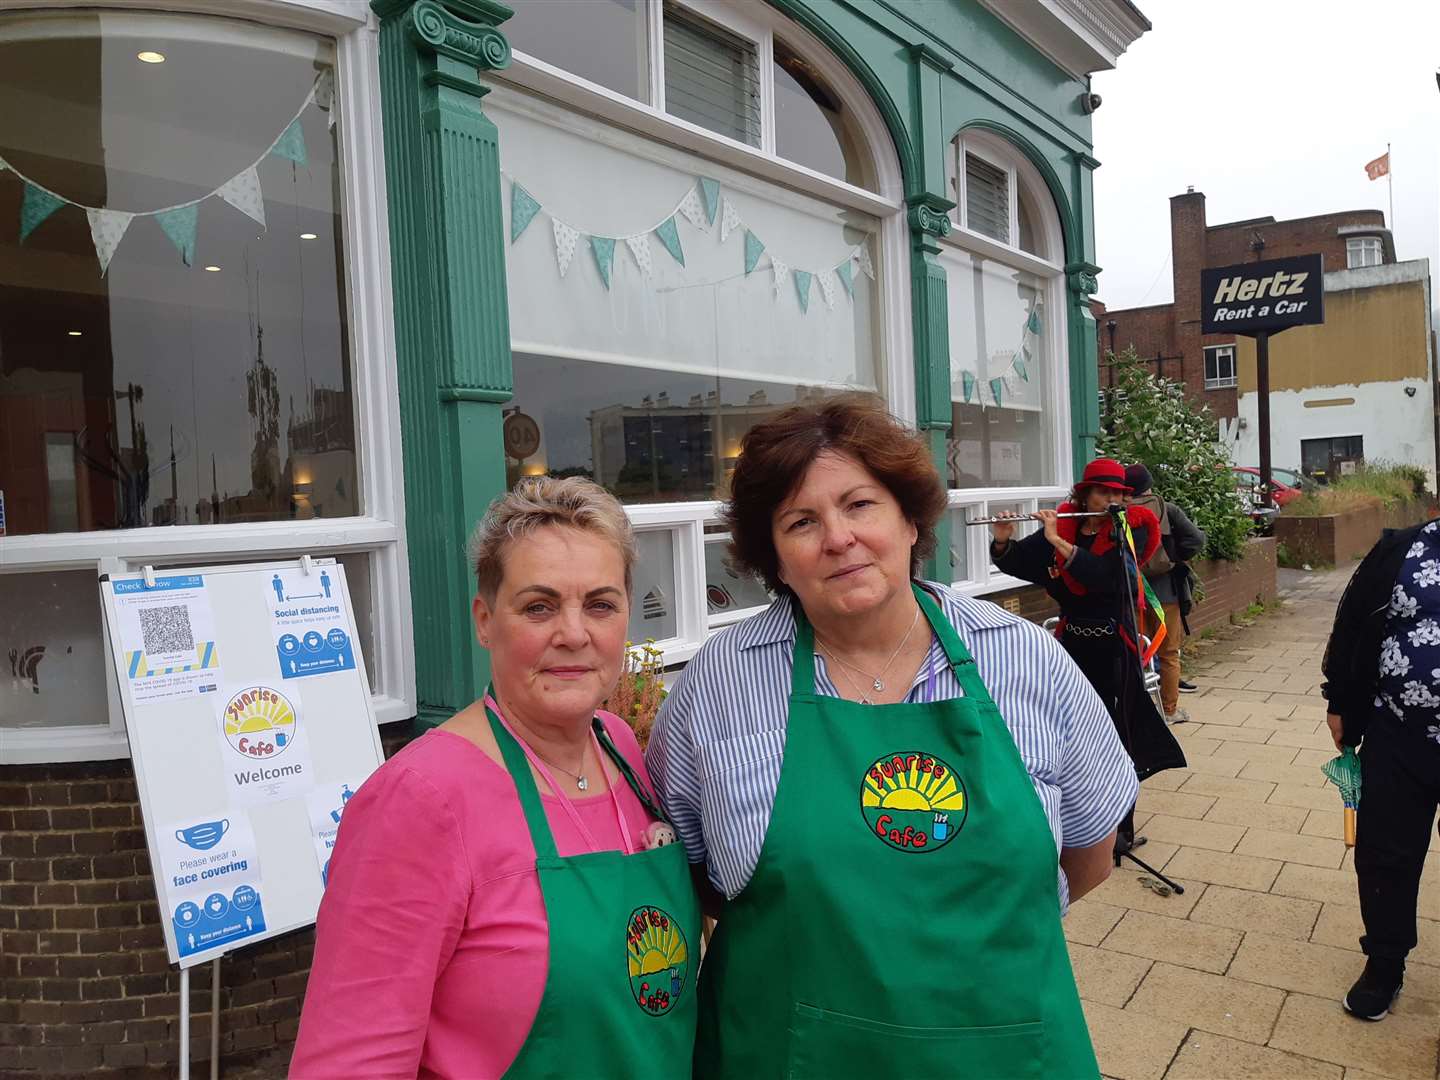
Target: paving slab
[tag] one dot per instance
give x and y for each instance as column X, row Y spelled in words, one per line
column 1224, row 868
column 1211, row 1057
column 1256, row 753
column 1089, row 920
column 1317, row 738
column 1212, row 766
column 1316, row 883
column 1169, row 780
column 1241, row 909
column 1226, row 786
column 1292, row 847
column 1188, row 944
column 1188, row 832
column 1238, row 733
column 1107, row 976
column 1175, row 804
column 1309, row 796
column 1339, row 926
column 1286, row 774
column 1212, row 1003
column 1295, row 965
column 1128, row 1050
column 1260, row 815
column 1400, row 1047
column 1328, row 822
column 1123, row 889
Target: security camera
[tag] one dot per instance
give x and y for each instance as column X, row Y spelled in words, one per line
column 1090, row 102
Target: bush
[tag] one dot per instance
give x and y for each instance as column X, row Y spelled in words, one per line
column 1144, row 418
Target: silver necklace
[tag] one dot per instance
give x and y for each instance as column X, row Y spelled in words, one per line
column 863, row 698
column 877, row 680
column 579, row 777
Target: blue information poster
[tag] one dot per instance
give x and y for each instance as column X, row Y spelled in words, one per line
column 211, row 879
column 307, row 619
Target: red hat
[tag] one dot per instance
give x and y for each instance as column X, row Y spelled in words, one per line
column 1106, row 473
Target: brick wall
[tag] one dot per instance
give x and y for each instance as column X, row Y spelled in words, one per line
column 85, row 982
column 1331, row 539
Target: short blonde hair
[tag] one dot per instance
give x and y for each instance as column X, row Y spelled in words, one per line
column 535, row 503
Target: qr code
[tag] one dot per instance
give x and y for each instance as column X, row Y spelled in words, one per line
column 166, row 629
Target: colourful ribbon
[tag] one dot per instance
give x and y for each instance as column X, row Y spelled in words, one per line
column 1144, row 593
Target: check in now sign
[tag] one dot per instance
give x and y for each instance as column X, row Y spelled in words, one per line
column 1262, row 296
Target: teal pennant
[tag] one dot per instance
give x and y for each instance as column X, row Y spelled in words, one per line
column 710, row 190
column 179, row 226
column 523, row 209
column 753, row 250
column 670, row 236
column 997, row 386
column 846, row 273
column 604, row 250
column 802, row 287
column 291, row 144
column 967, row 383
column 36, row 205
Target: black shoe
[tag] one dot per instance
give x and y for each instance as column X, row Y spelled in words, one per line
column 1376, row 989
column 1188, row 687
column 1128, row 843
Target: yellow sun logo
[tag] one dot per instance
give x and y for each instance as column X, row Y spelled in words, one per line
column 658, row 957
column 913, row 801
column 259, row 722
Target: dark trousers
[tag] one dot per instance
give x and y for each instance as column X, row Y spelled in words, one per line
column 1398, row 796
column 1098, row 659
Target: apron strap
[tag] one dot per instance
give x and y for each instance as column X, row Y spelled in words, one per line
column 648, row 801
column 519, row 766
column 802, row 664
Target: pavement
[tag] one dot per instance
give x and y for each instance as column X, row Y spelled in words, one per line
column 1241, row 977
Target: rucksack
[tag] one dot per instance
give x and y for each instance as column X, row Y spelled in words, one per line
column 1161, row 563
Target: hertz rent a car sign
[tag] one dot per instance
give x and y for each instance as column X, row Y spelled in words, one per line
column 1262, row 296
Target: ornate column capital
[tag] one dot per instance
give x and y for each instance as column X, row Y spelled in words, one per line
column 1081, row 277
column 463, row 30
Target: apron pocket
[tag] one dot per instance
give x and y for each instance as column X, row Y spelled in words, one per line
column 827, row 1045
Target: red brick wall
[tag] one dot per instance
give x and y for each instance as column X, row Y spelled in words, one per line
column 85, row 983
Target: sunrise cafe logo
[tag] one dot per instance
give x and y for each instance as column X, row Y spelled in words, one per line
column 259, row 722
column 658, row 959
column 913, row 801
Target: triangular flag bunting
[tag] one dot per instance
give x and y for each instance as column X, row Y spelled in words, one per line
column 996, row 386
column 670, row 236
column 325, row 95
column 107, row 229
column 693, row 211
column 827, row 289
column 782, row 273
column 1020, row 368
column 967, row 384
column 565, row 240
column 36, row 205
column 802, row 288
column 291, row 144
column 711, row 190
column 846, row 273
column 865, row 264
column 243, row 193
column 523, row 209
column 640, row 247
column 1033, row 323
column 179, row 226
column 729, row 220
column 604, row 249
column 753, row 250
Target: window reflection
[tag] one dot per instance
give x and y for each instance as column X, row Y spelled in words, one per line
column 51, row 651
column 600, row 40
column 726, row 588
column 811, row 126
column 160, row 393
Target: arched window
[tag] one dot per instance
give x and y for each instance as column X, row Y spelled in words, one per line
column 1009, row 372
column 704, row 226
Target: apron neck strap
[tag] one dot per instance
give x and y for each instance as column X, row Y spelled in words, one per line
column 519, row 766
column 802, row 672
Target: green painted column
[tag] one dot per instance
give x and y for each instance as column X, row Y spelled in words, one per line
column 452, row 332
column 1081, row 284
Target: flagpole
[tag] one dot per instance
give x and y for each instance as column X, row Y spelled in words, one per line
column 1390, row 180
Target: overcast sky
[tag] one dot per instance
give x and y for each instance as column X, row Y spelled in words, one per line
column 1268, row 107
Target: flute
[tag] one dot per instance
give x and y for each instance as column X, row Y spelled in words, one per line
column 1034, row 517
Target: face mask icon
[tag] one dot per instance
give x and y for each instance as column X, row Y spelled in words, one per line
column 204, row 835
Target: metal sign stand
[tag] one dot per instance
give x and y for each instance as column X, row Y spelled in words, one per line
column 214, row 1021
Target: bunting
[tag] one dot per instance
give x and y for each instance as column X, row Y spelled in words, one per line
column 604, row 249
column 107, row 229
column 693, row 211
column 729, row 221
column 640, row 248
column 565, row 239
column 179, row 225
column 523, row 209
column 967, row 382
column 1018, row 366
column 753, row 250
column 670, row 237
column 802, row 288
column 242, row 191
column 711, row 191
column 781, row 271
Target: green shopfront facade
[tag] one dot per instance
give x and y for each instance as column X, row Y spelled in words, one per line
column 327, row 276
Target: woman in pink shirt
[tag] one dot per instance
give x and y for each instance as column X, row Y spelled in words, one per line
column 503, row 899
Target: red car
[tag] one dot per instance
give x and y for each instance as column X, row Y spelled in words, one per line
column 1247, row 483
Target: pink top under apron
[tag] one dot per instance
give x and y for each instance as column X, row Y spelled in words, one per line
column 431, row 949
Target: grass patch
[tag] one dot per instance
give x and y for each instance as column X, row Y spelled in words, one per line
column 1377, row 485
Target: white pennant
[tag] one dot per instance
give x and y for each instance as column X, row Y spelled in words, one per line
column 693, row 210
column 782, row 273
column 325, row 95
column 640, row 247
column 729, row 220
column 107, row 228
column 865, row 263
column 243, row 193
column 826, row 278
column 565, row 239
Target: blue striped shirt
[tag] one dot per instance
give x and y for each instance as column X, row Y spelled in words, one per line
column 729, row 708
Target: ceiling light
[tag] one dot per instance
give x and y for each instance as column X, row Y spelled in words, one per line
column 73, row 333
column 149, row 56
column 213, row 269
column 307, row 236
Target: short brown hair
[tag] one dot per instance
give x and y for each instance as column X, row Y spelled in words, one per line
column 538, row 501
column 775, row 455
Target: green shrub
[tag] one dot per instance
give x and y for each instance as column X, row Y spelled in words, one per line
column 1377, row 483
column 1144, row 418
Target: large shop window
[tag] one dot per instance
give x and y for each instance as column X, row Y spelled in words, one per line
column 1009, row 441
column 664, row 299
column 178, row 378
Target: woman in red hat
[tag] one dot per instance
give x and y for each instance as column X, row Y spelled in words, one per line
column 1077, row 560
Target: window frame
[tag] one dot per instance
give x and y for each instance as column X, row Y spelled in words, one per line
column 380, row 532
column 1365, row 247
column 896, row 377
column 1220, row 382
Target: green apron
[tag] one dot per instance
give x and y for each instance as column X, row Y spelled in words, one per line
column 624, row 945
column 903, row 919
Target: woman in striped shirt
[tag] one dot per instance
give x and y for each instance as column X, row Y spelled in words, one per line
column 880, row 782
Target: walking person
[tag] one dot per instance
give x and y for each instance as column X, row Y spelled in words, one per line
column 1382, row 688
column 1170, row 576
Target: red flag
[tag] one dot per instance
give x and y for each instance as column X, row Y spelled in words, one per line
column 1379, row 167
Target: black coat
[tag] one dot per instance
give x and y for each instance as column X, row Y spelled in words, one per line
column 1352, row 656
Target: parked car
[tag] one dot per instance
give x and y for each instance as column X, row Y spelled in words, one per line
column 1247, row 483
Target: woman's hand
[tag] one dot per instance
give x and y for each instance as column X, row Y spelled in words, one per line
column 1337, row 730
column 1004, row 531
column 1050, row 522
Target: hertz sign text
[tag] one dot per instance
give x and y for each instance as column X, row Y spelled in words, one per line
column 1262, row 296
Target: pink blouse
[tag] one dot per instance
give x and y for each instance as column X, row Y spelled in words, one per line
column 431, row 949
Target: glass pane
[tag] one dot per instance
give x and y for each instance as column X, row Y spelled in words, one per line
column 645, row 435
column 960, row 543
column 362, row 605
column 604, row 41
column 987, row 199
column 1002, row 375
column 652, row 610
column 712, row 77
column 811, row 125
column 53, row 646
column 1031, row 223
column 726, row 589
column 172, row 393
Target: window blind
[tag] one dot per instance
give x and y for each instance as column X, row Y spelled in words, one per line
column 987, row 199
column 712, row 77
